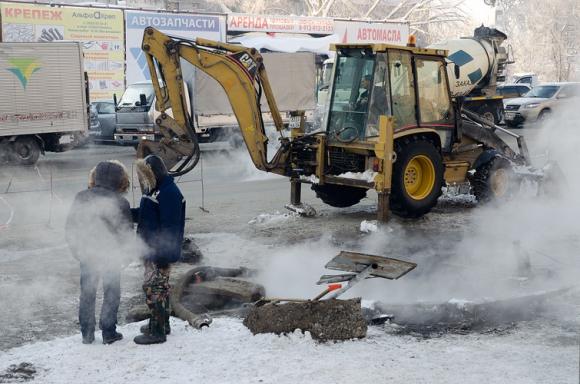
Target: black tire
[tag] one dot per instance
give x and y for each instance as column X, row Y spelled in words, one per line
column 512, row 124
column 402, row 203
column 544, row 115
column 340, row 196
column 490, row 113
column 26, row 150
column 493, row 181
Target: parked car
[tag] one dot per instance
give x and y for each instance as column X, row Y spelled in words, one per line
column 510, row 91
column 103, row 121
column 540, row 102
column 529, row 79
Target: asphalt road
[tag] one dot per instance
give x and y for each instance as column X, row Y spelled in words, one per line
column 228, row 201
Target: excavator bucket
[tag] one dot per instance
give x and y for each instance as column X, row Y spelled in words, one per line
column 553, row 180
column 549, row 179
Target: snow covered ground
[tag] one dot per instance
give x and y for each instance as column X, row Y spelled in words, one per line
column 463, row 251
column 228, row 353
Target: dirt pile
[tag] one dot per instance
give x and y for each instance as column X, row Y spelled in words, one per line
column 325, row 320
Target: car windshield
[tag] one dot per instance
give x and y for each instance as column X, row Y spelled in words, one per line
column 133, row 92
column 544, row 91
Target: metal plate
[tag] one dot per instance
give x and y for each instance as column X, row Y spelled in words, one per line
column 355, row 262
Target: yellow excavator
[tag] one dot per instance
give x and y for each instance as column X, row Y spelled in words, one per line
column 391, row 125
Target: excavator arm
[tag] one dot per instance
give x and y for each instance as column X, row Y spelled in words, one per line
column 239, row 70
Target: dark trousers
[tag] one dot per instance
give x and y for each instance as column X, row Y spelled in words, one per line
column 90, row 277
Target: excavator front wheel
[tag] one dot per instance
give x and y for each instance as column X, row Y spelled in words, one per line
column 417, row 177
column 494, row 181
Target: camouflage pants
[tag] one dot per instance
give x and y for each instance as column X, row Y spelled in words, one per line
column 156, row 288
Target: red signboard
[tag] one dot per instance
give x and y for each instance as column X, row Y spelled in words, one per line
column 240, row 22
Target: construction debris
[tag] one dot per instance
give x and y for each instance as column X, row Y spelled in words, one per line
column 458, row 316
column 324, row 317
column 220, row 293
column 18, row 373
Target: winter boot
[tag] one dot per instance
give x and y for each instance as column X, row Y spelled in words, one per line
column 111, row 337
column 156, row 334
column 146, row 329
column 88, row 337
column 150, row 339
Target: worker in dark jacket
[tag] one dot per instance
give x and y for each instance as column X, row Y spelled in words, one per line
column 161, row 222
column 97, row 231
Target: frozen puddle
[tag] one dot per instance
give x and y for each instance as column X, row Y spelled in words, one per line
column 227, row 352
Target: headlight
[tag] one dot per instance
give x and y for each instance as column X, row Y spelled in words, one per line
column 532, row 105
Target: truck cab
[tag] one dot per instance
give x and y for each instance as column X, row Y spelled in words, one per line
column 136, row 114
column 529, row 79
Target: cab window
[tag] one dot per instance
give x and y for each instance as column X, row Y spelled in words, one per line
column 402, row 89
column 380, row 95
column 351, row 95
column 434, row 100
column 106, row 108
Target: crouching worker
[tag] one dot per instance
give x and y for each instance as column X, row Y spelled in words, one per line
column 161, row 221
column 97, row 229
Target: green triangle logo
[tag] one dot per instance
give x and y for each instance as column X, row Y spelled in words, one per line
column 23, row 68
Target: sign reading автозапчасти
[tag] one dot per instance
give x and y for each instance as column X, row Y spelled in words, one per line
column 188, row 26
column 141, row 20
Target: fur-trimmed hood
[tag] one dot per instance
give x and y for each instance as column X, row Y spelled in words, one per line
column 146, row 176
column 110, row 174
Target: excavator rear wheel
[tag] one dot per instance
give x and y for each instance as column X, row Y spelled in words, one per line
column 417, row 177
column 340, row 196
column 493, row 181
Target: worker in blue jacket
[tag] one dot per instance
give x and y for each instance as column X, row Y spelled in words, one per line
column 161, row 222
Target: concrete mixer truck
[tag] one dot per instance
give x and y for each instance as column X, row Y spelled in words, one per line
column 475, row 65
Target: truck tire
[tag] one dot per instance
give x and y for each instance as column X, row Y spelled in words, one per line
column 417, row 177
column 490, row 113
column 340, row 196
column 493, row 181
column 26, row 151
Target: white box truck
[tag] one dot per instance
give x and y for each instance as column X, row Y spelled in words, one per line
column 292, row 77
column 43, row 99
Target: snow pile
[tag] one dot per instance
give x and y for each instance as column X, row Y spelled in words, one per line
column 458, row 194
column 460, row 303
column 309, row 179
column 276, row 218
column 368, row 175
column 368, row 226
column 227, row 352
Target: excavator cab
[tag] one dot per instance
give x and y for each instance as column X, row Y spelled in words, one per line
column 375, row 80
